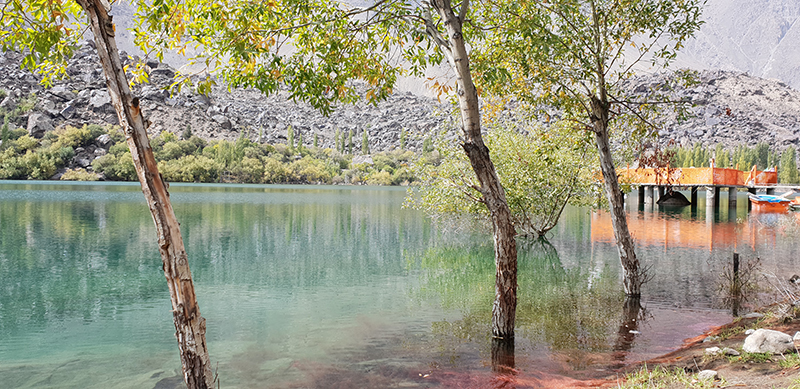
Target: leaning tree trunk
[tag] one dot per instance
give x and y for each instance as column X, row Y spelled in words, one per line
column 505, row 247
column 632, row 273
column 190, row 327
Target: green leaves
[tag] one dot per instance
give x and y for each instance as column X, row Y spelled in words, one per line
column 314, row 49
column 44, row 31
column 541, row 172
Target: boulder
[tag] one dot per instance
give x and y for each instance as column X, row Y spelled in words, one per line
column 223, row 121
column 674, row 199
column 100, row 101
column 768, row 341
column 38, row 125
column 163, row 71
column 68, row 112
column 104, row 140
column 708, row 375
column 62, row 92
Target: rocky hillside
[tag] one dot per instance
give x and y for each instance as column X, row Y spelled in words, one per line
column 759, row 37
column 83, row 99
column 728, row 107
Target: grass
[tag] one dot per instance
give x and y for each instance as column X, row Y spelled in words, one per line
column 746, row 357
column 661, row 377
column 789, row 361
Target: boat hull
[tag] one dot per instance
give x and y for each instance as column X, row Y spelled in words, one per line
column 767, row 203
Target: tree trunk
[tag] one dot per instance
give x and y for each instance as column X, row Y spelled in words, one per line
column 632, row 274
column 505, row 247
column 190, row 327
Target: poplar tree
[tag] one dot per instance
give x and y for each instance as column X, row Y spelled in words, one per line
column 788, row 169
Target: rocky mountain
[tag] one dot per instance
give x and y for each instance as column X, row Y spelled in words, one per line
column 759, row 37
column 727, row 107
column 83, row 99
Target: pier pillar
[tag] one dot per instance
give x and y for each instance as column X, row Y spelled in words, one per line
column 648, row 198
column 750, row 203
column 770, row 191
column 731, row 197
column 641, row 194
column 693, row 196
column 661, row 191
column 712, row 198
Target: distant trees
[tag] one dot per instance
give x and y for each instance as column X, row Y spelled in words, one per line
column 743, row 158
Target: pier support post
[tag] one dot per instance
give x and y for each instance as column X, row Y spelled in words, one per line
column 770, row 191
column 694, row 190
column 731, row 197
column 648, row 198
column 750, row 203
column 641, row 194
column 712, row 199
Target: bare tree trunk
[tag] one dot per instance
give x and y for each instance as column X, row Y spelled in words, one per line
column 505, row 247
column 190, row 327
column 632, row 273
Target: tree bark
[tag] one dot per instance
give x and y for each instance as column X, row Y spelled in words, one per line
column 190, row 327
column 632, row 273
column 505, row 247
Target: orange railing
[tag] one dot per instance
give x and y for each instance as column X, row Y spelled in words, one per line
column 697, row 176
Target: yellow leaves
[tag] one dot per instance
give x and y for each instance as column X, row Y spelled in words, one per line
column 438, row 88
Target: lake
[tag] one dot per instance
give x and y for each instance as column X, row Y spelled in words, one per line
column 340, row 287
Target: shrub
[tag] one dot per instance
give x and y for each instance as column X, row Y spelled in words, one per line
column 78, row 137
column 309, row 170
column 78, row 175
column 38, row 165
column 25, row 143
column 379, row 178
column 275, row 172
column 251, row 171
column 117, row 168
column 191, row 168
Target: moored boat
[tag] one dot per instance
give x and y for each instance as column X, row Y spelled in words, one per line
column 770, row 203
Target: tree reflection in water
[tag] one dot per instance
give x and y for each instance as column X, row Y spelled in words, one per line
column 570, row 313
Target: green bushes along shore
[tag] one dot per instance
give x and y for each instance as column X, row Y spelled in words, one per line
column 192, row 159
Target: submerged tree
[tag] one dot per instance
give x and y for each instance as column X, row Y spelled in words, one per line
column 573, row 55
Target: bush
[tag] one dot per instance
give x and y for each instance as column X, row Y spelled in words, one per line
column 38, row 165
column 78, row 175
column 250, row 171
column 379, row 178
column 117, row 168
column 25, row 143
column 78, row 137
column 275, row 172
column 191, row 169
column 310, row 170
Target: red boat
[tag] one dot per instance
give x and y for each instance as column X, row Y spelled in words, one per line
column 770, row 203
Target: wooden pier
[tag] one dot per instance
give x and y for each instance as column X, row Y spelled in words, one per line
column 653, row 183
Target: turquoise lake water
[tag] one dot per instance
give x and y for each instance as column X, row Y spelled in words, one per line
column 340, row 287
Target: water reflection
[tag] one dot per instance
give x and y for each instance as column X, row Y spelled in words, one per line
column 569, row 316
column 633, row 315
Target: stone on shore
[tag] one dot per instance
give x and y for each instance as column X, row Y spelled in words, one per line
column 768, row 341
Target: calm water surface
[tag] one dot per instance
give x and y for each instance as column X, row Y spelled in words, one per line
column 339, row 287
